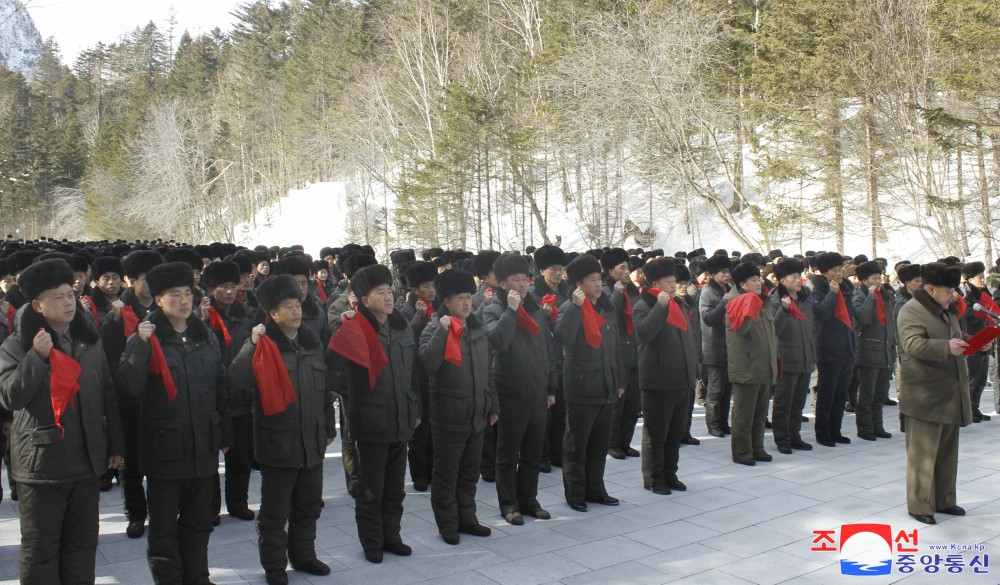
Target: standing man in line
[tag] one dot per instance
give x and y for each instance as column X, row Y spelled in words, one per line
column 623, row 294
column 712, row 307
column 794, row 323
column 834, row 347
column 876, row 349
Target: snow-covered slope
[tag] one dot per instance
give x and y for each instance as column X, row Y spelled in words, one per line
column 20, row 42
column 312, row 217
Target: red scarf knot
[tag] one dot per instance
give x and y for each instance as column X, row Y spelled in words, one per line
column 357, row 341
column 550, row 300
column 273, row 383
column 592, row 323
column 215, row 320
column 64, row 383
column 158, row 365
column 747, row 305
column 840, row 311
column 453, row 348
column 883, row 320
column 794, row 310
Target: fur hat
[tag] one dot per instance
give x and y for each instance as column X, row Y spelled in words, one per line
column 140, row 262
column 549, row 255
column 744, row 271
column 787, row 267
column 106, row 264
column 218, row 273
column 941, row 274
column 683, row 274
column 432, row 253
column 328, row 251
column 697, row 252
column 169, row 275
column 368, row 278
column 399, row 257
column 245, row 264
column 483, row 262
column 866, row 269
column 859, row 259
column 908, row 272
column 20, row 260
column 697, row 266
column 277, row 289
column 45, row 275
column 187, row 256
column 454, row 282
column 972, row 269
column 718, row 263
column 418, row 273
column 612, row 258
column 509, row 263
column 635, row 263
column 775, row 254
column 296, row 265
column 356, row 261
column 658, row 268
column 828, row 261
column 81, row 263
column 318, row 265
column 583, row 266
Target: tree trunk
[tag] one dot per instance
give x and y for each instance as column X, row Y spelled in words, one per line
column 960, row 187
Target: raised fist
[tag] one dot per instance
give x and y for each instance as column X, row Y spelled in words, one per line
column 256, row 333
column 445, row 322
column 663, row 298
column 42, row 343
column 513, row 300
column 579, row 297
column 145, row 331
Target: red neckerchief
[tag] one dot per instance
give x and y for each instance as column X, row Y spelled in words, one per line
column 93, row 310
column 525, row 321
column 629, row 323
column 322, row 291
column 453, row 347
column 273, row 382
column 744, row 306
column 840, row 312
column 551, row 301
column 880, row 308
column 11, row 312
column 794, row 310
column 675, row 315
column 428, row 310
column 130, row 321
column 987, row 302
column 357, row 341
column 592, row 323
column 215, row 320
column 158, row 365
column 64, row 382
column 962, row 306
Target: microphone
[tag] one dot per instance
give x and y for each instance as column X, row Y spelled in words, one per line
column 981, row 309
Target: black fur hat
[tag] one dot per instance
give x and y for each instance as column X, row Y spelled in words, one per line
column 697, row 252
column 328, row 251
column 81, row 263
column 318, row 265
column 44, row 275
column 140, row 262
column 718, row 263
column 296, row 265
column 169, row 275
column 370, row 277
column 941, row 274
column 635, row 263
column 775, row 254
column 697, row 267
column 866, row 269
column 20, row 260
column 218, row 273
column 549, row 255
column 658, row 268
column 399, row 257
column 418, row 273
column 787, row 267
column 683, row 274
column 860, row 259
column 277, row 289
column 187, row 256
column 828, row 261
column 908, row 272
column 356, row 261
column 612, row 258
column 972, row 269
column 509, row 263
column 744, row 271
column 454, row 282
column 583, row 266
column 106, row 264
column 432, row 253
column 483, row 262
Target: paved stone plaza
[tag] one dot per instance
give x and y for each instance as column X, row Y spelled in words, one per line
column 735, row 525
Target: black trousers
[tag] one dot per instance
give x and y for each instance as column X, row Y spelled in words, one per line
column 585, row 450
column 831, row 396
column 421, row 450
column 349, row 452
column 378, row 508
column 488, row 463
column 718, row 397
column 786, row 412
column 626, row 413
column 180, row 523
column 873, row 391
column 238, row 463
column 555, row 429
column 291, row 495
column 853, row 387
column 665, row 419
column 520, row 433
column 59, row 525
column 456, row 472
column 979, row 369
column 130, row 473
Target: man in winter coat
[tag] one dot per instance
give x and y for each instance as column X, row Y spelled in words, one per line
column 834, row 346
column 290, row 432
column 875, row 348
column 58, row 456
column 524, row 369
column 455, row 352
column 797, row 350
column 936, row 403
column 712, row 308
column 623, row 294
column 383, row 408
column 910, row 282
column 593, row 381
column 974, row 287
column 753, row 362
column 668, row 372
column 180, row 381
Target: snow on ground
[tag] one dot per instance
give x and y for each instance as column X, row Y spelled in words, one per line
column 312, row 217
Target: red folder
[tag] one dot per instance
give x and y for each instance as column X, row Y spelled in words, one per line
column 979, row 340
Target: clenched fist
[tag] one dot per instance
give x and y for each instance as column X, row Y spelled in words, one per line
column 579, row 297
column 256, row 333
column 513, row 300
column 145, row 331
column 663, row 298
column 116, row 309
column 205, row 305
column 445, row 322
column 42, row 343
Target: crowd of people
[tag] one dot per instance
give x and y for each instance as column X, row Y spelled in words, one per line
column 143, row 361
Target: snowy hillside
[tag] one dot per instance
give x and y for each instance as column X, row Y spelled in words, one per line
column 20, row 42
column 312, row 217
